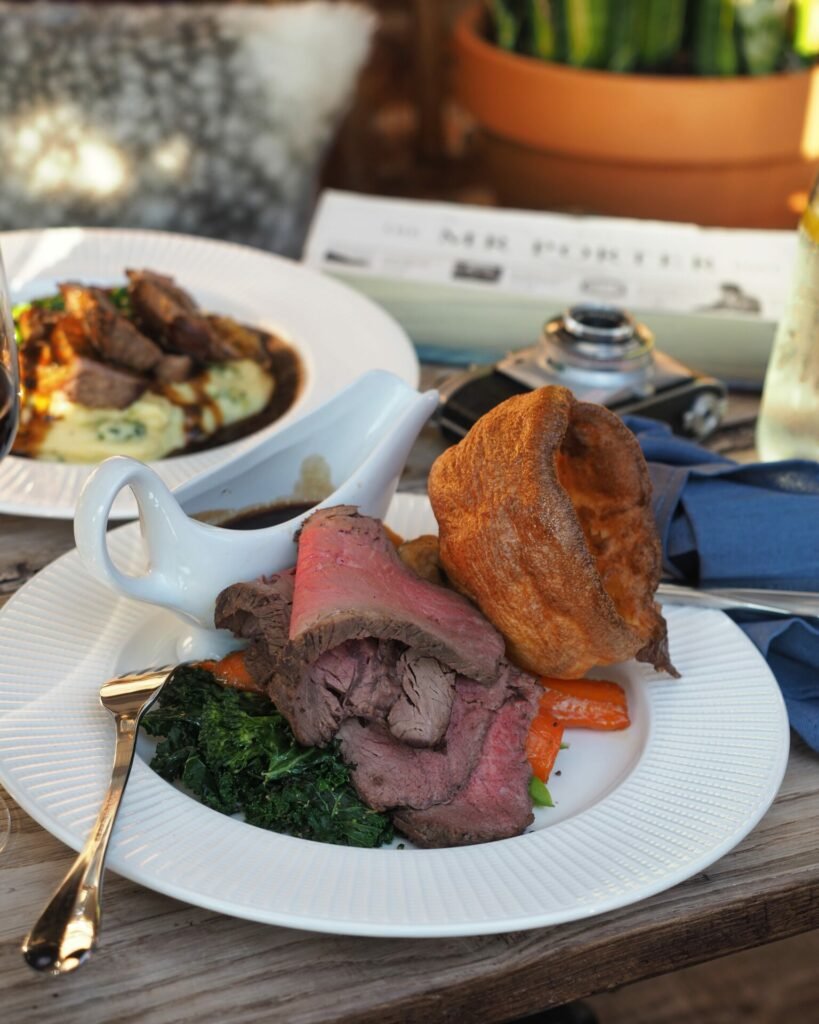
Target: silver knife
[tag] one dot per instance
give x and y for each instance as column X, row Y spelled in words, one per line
column 752, row 599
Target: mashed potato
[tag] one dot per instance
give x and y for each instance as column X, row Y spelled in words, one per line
column 156, row 424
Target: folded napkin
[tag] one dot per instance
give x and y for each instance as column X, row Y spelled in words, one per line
column 723, row 524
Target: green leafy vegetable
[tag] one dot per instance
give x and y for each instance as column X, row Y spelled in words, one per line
column 121, row 299
column 47, row 302
column 236, row 753
column 540, row 795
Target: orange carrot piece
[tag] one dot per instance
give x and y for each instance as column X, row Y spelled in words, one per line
column 543, row 744
column 585, row 703
column 232, row 671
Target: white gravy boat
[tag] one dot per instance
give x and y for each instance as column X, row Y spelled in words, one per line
column 355, row 445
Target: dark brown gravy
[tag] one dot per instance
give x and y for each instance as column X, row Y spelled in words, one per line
column 266, row 515
column 287, row 369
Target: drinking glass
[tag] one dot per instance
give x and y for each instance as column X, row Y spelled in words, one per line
column 788, row 424
column 9, row 413
column 9, row 375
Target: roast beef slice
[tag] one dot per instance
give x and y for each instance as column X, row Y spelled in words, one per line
column 494, row 803
column 114, row 337
column 169, row 314
column 92, row 384
column 350, row 583
column 258, row 611
column 363, row 678
column 421, row 713
column 389, row 773
column 355, row 678
column 173, row 369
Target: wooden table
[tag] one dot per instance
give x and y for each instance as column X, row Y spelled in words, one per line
column 163, row 962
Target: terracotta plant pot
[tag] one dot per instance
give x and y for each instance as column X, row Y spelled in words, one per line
column 738, row 152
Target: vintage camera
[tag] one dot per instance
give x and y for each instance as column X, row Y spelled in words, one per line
column 603, row 355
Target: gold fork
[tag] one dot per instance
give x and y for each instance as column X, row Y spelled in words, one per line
column 67, row 930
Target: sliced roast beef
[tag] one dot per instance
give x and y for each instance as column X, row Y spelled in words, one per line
column 241, row 341
column 158, row 300
column 389, row 773
column 58, row 357
column 66, row 360
column 71, row 368
column 171, row 316
column 355, row 678
column 114, row 337
column 355, row 646
column 98, row 385
column 420, row 715
column 259, row 611
column 311, row 697
column 173, row 369
column 495, row 802
column 374, row 691
column 350, row 583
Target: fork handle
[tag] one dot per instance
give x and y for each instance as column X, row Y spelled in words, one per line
column 66, row 931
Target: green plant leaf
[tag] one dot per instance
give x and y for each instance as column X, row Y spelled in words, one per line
column 507, row 19
column 806, row 28
column 762, row 28
column 587, row 24
column 715, row 50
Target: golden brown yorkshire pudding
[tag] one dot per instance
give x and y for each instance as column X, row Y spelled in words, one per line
column 545, row 521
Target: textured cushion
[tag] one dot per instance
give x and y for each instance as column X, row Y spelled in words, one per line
column 208, row 119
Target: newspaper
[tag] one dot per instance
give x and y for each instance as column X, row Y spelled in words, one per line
column 442, row 268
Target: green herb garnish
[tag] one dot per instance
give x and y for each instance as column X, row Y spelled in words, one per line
column 236, row 753
column 47, row 302
column 540, row 795
column 121, row 299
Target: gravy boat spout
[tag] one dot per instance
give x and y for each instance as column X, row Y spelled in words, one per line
column 350, row 451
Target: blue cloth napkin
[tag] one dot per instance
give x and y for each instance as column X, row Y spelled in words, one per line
column 725, row 524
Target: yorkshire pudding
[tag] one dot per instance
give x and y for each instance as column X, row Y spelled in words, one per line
column 545, row 521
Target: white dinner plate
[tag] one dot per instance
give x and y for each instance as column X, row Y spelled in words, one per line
column 637, row 811
column 339, row 333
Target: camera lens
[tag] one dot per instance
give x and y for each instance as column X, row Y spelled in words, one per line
column 598, row 335
column 606, row 324
column 597, row 350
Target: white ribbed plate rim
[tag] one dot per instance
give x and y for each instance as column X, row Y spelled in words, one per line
column 709, row 753
column 339, row 333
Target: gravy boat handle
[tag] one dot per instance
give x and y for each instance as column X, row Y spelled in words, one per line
column 164, row 524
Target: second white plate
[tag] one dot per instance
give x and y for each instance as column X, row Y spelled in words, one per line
column 637, row 811
column 339, row 333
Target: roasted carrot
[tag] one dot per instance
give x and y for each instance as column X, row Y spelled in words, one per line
column 232, row 671
column 585, row 703
column 543, row 744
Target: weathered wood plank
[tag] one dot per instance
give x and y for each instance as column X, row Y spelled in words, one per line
column 766, row 986
column 26, row 545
